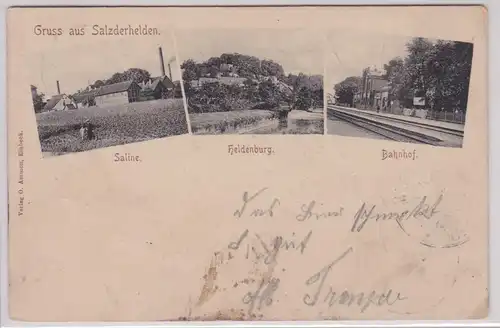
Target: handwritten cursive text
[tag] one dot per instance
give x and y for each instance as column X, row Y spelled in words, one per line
column 362, row 300
column 367, row 213
column 256, row 211
column 308, row 212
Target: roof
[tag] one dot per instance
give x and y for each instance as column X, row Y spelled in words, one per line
column 81, row 96
column 114, row 88
column 377, row 77
column 231, row 80
column 52, row 102
column 208, row 80
column 165, row 79
column 156, row 83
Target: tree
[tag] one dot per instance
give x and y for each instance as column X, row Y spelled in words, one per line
column 97, row 84
column 247, row 66
column 271, row 68
column 251, row 89
column 417, row 76
column 265, row 80
column 214, row 70
column 304, row 99
column 214, row 61
column 189, row 72
column 450, row 68
column 345, row 90
column 38, row 102
column 269, row 93
column 317, row 96
column 296, row 82
column 395, row 74
column 137, row 75
column 439, row 71
column 115, row 78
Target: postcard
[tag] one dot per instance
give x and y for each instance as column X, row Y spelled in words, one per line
column 247, row 163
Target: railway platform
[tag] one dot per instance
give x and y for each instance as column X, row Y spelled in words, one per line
column 432, row 123
column 435, row 133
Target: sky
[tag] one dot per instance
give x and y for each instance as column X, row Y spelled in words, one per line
column 296, row 50
column 78, row 65
column 348, row 53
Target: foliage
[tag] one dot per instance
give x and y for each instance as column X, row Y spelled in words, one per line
column 395, row 74
column 269, row 93
column 231, row 63
column 38, row 102
column 266, row 85
column 97, row 84
column 439, row 71
column 135, row 74
column 226, row 121
column 189, row 70
column 345, row 90
column 304, row 99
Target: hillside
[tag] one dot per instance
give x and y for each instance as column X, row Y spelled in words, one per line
column 249, row 67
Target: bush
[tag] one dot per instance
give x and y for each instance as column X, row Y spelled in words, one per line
column 223, row 121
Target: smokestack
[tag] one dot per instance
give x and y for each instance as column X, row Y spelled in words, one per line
column 58, row 88
column 161, row 62
column 169, row 72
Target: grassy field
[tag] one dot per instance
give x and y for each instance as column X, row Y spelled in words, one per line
column 114, row 125
column 228, row 122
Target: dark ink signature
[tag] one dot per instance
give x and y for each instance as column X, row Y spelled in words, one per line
column 367, row 213
column 256, row 212
column 347, row 298
column 307, row 212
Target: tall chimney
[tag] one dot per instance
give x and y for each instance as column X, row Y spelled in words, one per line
column 58, row 88
column 161, row 62
column 169, row 72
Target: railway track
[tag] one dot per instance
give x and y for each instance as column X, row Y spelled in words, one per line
column 455, row 132
column 385, row 130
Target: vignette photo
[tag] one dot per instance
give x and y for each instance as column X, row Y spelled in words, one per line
column 405, row 89
column 253, row 81
column 127, row 92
